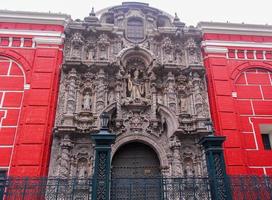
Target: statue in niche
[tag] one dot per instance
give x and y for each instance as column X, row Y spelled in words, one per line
column 77, row 42
column 160, row 99
column 111, row 97
column 82, row 168
column 183, row 103
column 86, row 105
column 188, row 167
column 135, row 87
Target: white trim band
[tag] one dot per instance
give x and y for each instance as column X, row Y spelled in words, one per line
column 31, row 32
column 215, row 49
column 48, row 40
column 236, row 44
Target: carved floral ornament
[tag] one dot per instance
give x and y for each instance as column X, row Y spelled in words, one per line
column 77, row 40
column 167, row 45
column 191, row 45
column 103, row 41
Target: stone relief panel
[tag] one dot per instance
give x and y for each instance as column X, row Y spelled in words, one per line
column 154, row 89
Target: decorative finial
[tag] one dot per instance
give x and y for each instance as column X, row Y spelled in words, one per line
column 176, row 17
column 177, row 22
column 92, row 12
column 91, row 19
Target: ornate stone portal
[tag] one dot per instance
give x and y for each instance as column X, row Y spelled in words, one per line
column 143, row 67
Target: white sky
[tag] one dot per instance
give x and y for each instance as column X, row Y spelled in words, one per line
column 189, row 11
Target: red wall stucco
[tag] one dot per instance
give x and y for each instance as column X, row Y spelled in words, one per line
column 240, row 95
column 26, row 128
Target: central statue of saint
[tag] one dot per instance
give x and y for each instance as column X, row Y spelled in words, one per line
column 135, row 87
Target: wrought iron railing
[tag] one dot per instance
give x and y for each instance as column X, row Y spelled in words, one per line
column 194, row 188
column 45, row 188
column 160, row 189
column 251, row 187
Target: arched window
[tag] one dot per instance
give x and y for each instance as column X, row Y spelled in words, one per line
column 135, row 29
column 253, row 101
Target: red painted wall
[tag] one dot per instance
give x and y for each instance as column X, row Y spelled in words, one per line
column 240, row 91
column 29, row 75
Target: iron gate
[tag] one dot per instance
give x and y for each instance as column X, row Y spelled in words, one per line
column 242, row 188
column 160, row 189
column 45, row 188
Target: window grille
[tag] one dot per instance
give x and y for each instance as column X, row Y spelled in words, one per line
column 135, row 29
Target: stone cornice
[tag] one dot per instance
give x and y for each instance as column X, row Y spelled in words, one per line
column 34, row 17
column 235, row 28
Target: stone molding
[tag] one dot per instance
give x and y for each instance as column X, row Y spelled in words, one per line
column 235, row 28
column 34, row 17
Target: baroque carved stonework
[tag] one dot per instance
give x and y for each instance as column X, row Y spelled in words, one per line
column 154, row 89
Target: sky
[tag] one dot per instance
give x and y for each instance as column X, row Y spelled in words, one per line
column 189, row 11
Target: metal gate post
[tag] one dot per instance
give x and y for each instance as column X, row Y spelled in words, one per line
column 101, row 178
column 3, row 182
column 220, row 188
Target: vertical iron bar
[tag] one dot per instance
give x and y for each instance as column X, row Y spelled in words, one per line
column 24, row 187
column 130, row 190
column 179, row 187
column 268, row 186
column 73, row 187
column 2, row 187
column 194, row 188
column 145, row 189
column 57, row 192
column 243, row 185
column 90, row 188
column 161, row 188
column 257, row 186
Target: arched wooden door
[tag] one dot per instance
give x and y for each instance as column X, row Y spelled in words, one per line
column 135, row 160
column 135, row 173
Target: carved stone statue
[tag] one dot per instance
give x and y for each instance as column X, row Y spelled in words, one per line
column 111, row 97
column 82, row 168
column 77, row 42
column 135, row 87
column 86, row 105
column 188, row 168
column 183, row 104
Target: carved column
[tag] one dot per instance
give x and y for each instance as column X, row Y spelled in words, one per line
column 170, row 93
column 198, row 98
column 118, row 91
column 100, row 91
column 176, row 164
column 71, row 97
column 154, row 103
column 64, row 166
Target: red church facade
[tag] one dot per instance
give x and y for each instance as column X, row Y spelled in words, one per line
column 238, row 61
column 30, row 58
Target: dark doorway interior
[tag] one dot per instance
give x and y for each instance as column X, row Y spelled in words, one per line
column 135, row 160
